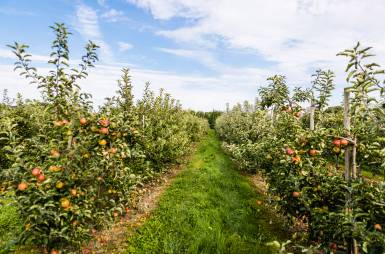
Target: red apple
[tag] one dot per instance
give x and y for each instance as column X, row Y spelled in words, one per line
column 104, row 122
column 22, row 186
column 296, row 159
column 296, row 194
column 313, row 152
column 337, row 142
column 36, row 171
column 104, row 130
column 333, row 246
column 83, row 121
column 41, row 178
column 289, row 151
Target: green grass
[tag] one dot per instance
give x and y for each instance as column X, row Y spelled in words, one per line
column 210, row 208
column 10, row 225
column 373, row 176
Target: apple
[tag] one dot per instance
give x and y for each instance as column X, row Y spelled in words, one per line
column 333, row 246
column 55, row 153
column 86, row 155
column 65, row 121
column 313, row 152
column 102, row 142
column 289, row 151
column 83, row 121
column 297, row 114
column 378, row 227
column 296, row 194
column 337, row 142
column 344, row 142
column 73, row 192
column 55, row 168
column 296, row 159
column 258, row 202
column 65, row 203
column 22, row 186
column 113, row 150
column 336, row 150
column 53, row 251
column 59, row 184
column 36, row 171
column 104, row 122
column 116, row 214
column 104, row 130
column 41, row 178
column 127, row 209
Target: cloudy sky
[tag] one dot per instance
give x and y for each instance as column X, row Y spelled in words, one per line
column 204, row 52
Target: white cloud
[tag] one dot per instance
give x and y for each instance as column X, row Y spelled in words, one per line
column 298, row 35
column 112, row 15
column 194, row 91
column 7, row 53
column 124, row 46
column 166, row 9
column 102, row 3
column 88, row 27
column 204, row 57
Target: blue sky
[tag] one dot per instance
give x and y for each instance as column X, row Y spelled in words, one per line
column 204, row 52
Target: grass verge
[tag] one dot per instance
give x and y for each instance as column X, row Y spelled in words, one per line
column 210, row 208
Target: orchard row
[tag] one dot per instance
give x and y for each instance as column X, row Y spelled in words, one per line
column 313, row 156
column 71, row 169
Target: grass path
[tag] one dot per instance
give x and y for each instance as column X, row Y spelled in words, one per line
column 209, row 208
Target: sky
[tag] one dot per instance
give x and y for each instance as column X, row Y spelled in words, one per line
column 205, row 53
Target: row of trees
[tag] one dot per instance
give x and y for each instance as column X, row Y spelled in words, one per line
column 313, row 159
column 71, row 169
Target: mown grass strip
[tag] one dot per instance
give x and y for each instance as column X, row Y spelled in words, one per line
column 210, row 208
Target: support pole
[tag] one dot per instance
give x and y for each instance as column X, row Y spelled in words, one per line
column 350, row 163
column 312, row 111
column 347, row 130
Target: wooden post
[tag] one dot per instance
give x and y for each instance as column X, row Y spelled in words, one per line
column 347, row 130
column 312, row 111
column 350, row 162
column 272, row 116
column 354, row 158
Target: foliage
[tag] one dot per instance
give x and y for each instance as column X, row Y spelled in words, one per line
column 211, row 116
column 322, row 85
column 72, row 169
column 303, row 167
